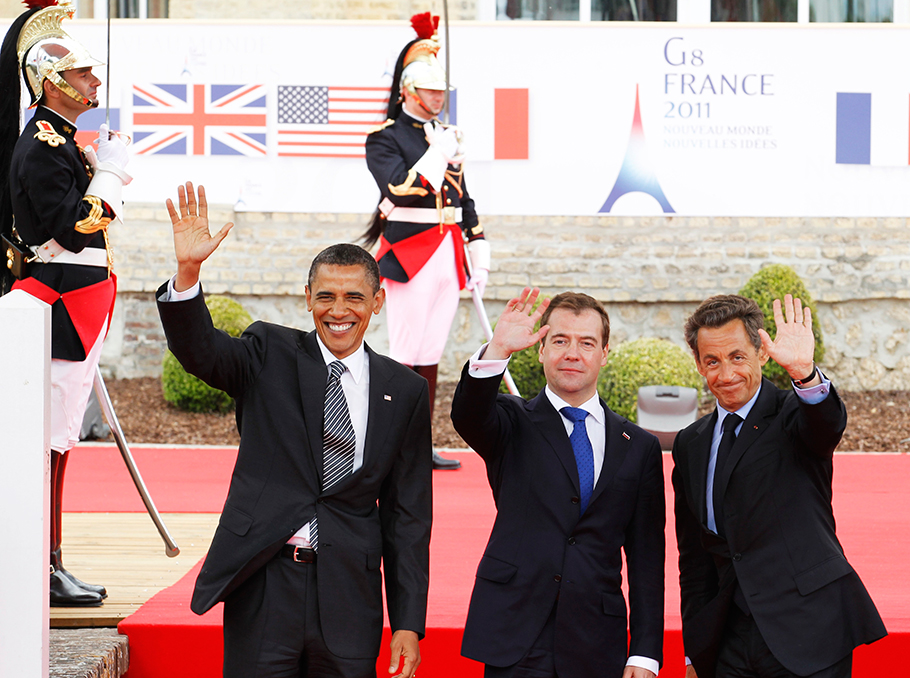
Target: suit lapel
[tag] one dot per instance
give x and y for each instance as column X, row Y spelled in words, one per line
column 755, row 424
column 312, row 375
column 549, row 421
column 379, row 418
column 616, row 446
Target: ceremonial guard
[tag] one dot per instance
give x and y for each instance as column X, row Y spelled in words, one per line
column 425, row 214
column 57, row 203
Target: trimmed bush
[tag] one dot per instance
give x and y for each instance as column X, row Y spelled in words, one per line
column 644, row 362
column 773, row 282
column 190, row 393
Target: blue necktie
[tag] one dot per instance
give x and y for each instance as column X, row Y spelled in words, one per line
column 584, row 453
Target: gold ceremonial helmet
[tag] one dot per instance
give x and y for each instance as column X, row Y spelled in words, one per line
column 45, row 50
column 421, row 68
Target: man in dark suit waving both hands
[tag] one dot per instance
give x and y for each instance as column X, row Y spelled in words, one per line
column 574, row 485
column 766, row 590
column 333, row 474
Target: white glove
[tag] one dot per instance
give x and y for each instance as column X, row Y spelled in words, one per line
column 479, row 253
column 478, row 280
column 111, row 150
column 449, row 141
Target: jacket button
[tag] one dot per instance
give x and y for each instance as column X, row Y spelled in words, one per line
column 737, row 557
column 557, row 578
column 575, row 500
column 571, row 541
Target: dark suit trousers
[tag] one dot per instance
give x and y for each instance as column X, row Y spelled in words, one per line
column 540, row 661
column 744, row 654
column 272, row 630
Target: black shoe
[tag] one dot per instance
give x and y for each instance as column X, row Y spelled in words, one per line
column 94, row 588
column 66, row 594
column 443, row 464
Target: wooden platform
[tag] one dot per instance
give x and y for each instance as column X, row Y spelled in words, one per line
column 124, row 552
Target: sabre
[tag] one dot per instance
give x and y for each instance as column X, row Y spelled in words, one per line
column 107, row 81
column 475, row 293
column 170, row 548
column 445, row 18
column 485, row 323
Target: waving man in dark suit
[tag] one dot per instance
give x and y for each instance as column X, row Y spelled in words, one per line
column 766, row 589
column 333, row 475
column 574, row 484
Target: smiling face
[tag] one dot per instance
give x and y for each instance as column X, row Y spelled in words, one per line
column 572, row 354
column 341, row 301
column 730, row 363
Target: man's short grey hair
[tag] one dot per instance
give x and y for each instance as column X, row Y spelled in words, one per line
column 717, row 311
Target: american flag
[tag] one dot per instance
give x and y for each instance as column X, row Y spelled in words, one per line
column 199, row 119
column 328, row 122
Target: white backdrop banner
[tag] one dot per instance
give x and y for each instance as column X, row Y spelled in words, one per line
column 560, row 119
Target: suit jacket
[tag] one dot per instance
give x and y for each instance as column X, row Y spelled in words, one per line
column 380, row 513
column 49, row 176
column 391, row 151
column 807, row 601
column 541, row 554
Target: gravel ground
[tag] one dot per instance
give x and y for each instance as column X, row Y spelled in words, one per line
column 879, row 421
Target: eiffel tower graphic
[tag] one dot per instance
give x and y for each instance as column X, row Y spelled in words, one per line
column 636, row 173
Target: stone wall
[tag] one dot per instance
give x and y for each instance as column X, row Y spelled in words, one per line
column 651, row 272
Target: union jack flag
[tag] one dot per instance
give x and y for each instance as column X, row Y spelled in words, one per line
column 185, row 119
column 328, row 122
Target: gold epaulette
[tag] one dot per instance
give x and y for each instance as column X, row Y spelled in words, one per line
column 381, row 127
column 48, row 134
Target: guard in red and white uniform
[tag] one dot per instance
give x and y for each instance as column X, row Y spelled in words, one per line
column 63, row 199
column 426, row 217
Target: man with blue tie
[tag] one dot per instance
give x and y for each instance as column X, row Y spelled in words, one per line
column 575, row 485
column 765, row 587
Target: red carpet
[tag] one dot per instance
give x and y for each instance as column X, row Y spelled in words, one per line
column 871, row 505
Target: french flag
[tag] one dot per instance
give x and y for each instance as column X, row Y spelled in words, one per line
column 872, row 129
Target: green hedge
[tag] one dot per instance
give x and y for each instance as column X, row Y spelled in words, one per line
column 190, row 393
column 644, row 362
column 773, row 282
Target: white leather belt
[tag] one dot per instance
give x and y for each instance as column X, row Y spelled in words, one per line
column 53, row 252
column 420, row 215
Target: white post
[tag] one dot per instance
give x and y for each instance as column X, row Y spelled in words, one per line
column 25, row 344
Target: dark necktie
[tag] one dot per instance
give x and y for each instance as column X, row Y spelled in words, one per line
column 337, row 438
column 727, row 439
column 584, row 453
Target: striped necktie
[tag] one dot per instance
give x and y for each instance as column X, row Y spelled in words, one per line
column 337, row 438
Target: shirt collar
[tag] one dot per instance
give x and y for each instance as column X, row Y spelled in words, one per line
column 353, row 362
column 742, row 411
column 416, row 117
column 591, row 406
column 60, row 116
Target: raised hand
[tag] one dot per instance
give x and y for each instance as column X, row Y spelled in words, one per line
column 193, row 243
column 793, row 347
column 515, row 327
